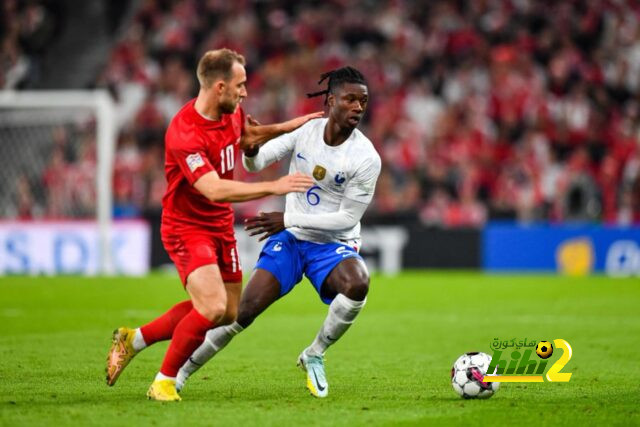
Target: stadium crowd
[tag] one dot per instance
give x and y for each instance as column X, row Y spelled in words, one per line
column 490, row 109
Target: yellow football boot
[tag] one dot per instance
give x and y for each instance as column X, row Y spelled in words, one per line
column 163, row 391
column 120, row 353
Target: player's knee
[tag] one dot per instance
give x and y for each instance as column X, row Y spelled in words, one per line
column 212, row 310
column 356, row 286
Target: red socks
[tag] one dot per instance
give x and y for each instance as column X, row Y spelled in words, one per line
column 185, row 327
column 187, row 336
column 161, row 329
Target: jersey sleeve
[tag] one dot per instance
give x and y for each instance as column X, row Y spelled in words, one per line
column 346, row 217
column 189, row 153
column 362, row 185
column 272, row 151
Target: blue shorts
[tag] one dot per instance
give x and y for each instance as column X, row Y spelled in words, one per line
column 287, row 258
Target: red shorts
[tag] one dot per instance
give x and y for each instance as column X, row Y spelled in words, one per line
column 197, row 247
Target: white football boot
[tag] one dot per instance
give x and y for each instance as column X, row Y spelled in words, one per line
column 316, row 378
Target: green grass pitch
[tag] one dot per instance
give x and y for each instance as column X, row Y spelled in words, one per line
column 391, row 368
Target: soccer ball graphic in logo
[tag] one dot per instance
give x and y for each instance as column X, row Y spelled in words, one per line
column 544, row 349
column 467, row 373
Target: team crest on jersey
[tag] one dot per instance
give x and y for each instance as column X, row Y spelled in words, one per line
column 319, row 172
column 194, row 161
column 340, row 178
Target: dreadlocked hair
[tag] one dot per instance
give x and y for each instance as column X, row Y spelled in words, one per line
column 336, row 78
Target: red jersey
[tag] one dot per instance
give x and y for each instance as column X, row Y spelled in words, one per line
column 194, row 146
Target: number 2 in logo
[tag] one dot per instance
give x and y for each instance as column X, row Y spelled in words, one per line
column 554, row 373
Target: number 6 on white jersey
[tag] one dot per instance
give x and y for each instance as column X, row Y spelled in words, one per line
column 313, row 198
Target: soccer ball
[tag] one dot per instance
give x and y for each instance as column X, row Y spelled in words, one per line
column 544, row 349
column 467, row 373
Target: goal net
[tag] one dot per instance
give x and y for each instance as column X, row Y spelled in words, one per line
column 56, row 163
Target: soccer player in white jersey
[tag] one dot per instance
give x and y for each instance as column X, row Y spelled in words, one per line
column 318, row 235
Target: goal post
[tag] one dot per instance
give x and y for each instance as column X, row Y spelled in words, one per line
column 27, row 121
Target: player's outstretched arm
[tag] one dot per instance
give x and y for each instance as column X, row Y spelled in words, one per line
column 255, row 134
column 225, row 190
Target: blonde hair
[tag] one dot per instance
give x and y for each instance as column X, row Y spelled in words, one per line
column 217, row 64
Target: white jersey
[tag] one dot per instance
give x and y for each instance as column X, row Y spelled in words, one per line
column 347, row 171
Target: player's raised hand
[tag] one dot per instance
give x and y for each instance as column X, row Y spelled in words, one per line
column 255, row 134
column 265, row 223
column 250, row 149
column 297, row 182
column 293, row 124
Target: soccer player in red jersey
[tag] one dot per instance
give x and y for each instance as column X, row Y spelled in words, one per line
column 201, row 144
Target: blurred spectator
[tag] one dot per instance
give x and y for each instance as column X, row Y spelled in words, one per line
column 25, row 203
column 54, row 180
column 27, row 28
